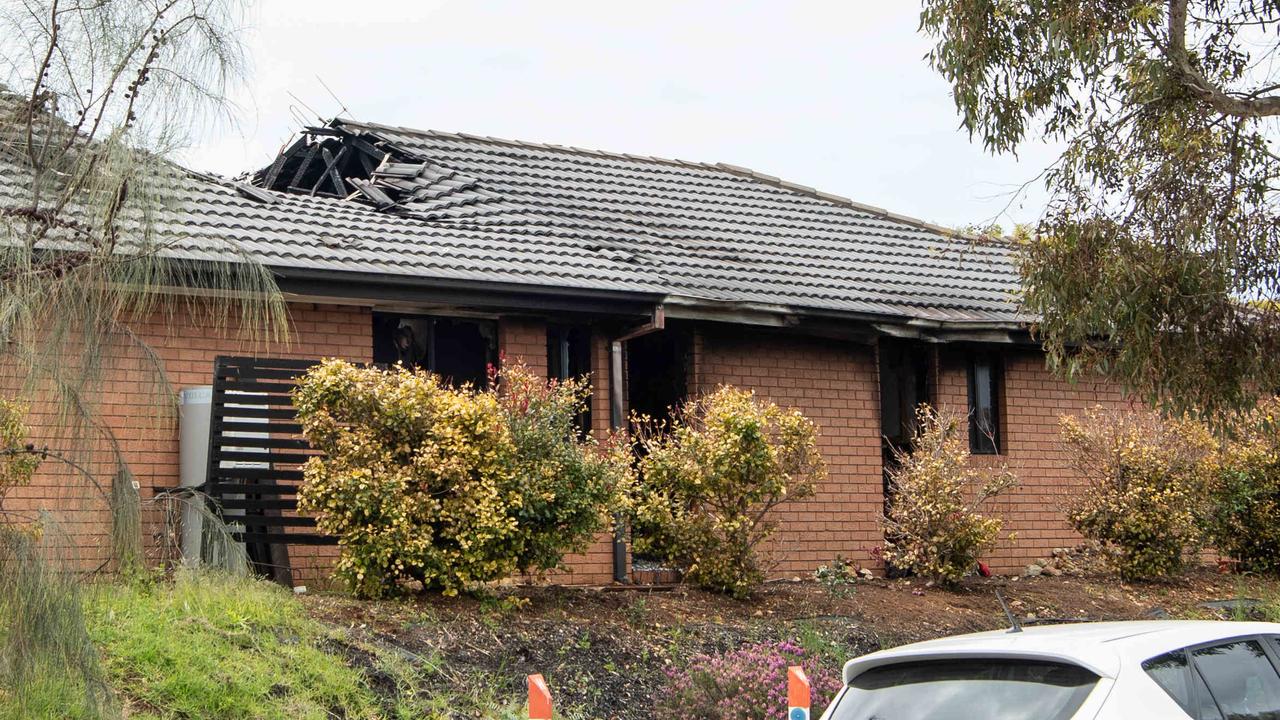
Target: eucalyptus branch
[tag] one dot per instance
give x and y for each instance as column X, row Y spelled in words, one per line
column 1250, row 106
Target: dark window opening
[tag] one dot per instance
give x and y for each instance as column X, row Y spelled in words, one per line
column 459, row 350
column 657, row 372
column 569, row 356
column 657, row 367
column 904, row 387
column 984, row 404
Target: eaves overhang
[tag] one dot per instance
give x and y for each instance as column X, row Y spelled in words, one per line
column 380, row 288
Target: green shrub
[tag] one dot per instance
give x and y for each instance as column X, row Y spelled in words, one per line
column 1146, row 484
column 18, row 461
column 449, row 487
column 710, row 480
column 838, row 577
column 566, row 482
column 1244, row 521
column 933, row 526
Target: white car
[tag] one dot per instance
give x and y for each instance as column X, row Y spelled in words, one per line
column 1110, row 671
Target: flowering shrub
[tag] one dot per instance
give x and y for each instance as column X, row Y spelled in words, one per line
column 450, row 487
column 933, row 526
column 566, row 482
column 710, row 480
column 1244, row 520
column 1145, row 494
column 749, row 683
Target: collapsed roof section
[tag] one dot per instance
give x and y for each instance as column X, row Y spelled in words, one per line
column 331, row 162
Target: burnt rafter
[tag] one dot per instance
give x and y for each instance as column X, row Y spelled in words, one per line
column 333, row 162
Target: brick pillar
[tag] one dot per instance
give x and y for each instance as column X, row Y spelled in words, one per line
column 524, row 340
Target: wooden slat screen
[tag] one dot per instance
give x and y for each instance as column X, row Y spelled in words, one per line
column 255, row 458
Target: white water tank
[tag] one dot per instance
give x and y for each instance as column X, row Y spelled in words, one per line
column 194, row 405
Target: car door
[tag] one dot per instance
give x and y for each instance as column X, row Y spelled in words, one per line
column 1240, row 678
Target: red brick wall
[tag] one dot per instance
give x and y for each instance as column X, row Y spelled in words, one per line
column 1031, row 404
column 834, row 384
column 525, row 340
column 148, row 436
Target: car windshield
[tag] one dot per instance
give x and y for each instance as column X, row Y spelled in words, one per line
column 992, row 689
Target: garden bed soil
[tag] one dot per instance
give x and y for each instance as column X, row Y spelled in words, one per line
column 605, row 652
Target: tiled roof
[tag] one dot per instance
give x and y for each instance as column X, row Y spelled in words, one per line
column 478, row 209
column 713, row 232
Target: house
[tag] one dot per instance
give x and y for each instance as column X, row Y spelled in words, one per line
column 660, row 278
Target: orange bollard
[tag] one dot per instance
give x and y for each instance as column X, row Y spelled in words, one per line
column 798, row 694
column 539, row 698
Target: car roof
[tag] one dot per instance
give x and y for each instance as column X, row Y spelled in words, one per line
column 1100, row 647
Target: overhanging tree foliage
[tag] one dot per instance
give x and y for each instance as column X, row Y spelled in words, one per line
column 94, row 95
column 94, row 98
column 1158, row 258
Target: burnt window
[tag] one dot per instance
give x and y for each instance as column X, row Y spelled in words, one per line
column 460, row 350
column 904, row 387
column 569, row 356
column 568, row 352
column 984, row 403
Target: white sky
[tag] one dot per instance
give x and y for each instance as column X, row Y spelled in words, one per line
column 833, row 94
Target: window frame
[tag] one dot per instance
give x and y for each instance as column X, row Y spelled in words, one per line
column 979, row 442
column 560, row 337
column 487, row 328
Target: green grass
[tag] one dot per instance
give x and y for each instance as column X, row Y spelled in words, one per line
column 218, row 647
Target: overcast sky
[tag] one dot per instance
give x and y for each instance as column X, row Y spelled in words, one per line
column 834, row 94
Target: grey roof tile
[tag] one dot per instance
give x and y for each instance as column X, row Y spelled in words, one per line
column 490, row 210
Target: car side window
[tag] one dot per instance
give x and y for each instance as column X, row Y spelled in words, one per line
column 1206, row 708
column 1170, row 671
column 1241, row 679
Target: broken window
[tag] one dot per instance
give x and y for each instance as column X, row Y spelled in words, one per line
column 984, row 404
column 460, row 350
column 569, row 356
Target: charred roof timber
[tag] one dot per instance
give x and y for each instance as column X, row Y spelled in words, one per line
column 333, row 162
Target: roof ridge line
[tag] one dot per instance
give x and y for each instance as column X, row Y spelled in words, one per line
column 842, row 200
column 723, row 166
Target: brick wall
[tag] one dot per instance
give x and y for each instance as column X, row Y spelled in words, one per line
column 834, row 384
column 1030, row 407
column 132, row 406
column 525, row 340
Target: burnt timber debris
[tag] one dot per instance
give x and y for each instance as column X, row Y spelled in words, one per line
column 337, row 163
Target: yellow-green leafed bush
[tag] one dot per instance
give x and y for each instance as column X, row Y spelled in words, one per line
column 568, row 482
column 1146, row 484
column 933, row 526
column 18, row 462
column 710, row 480
column 449, row 487
column 1245, row 496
